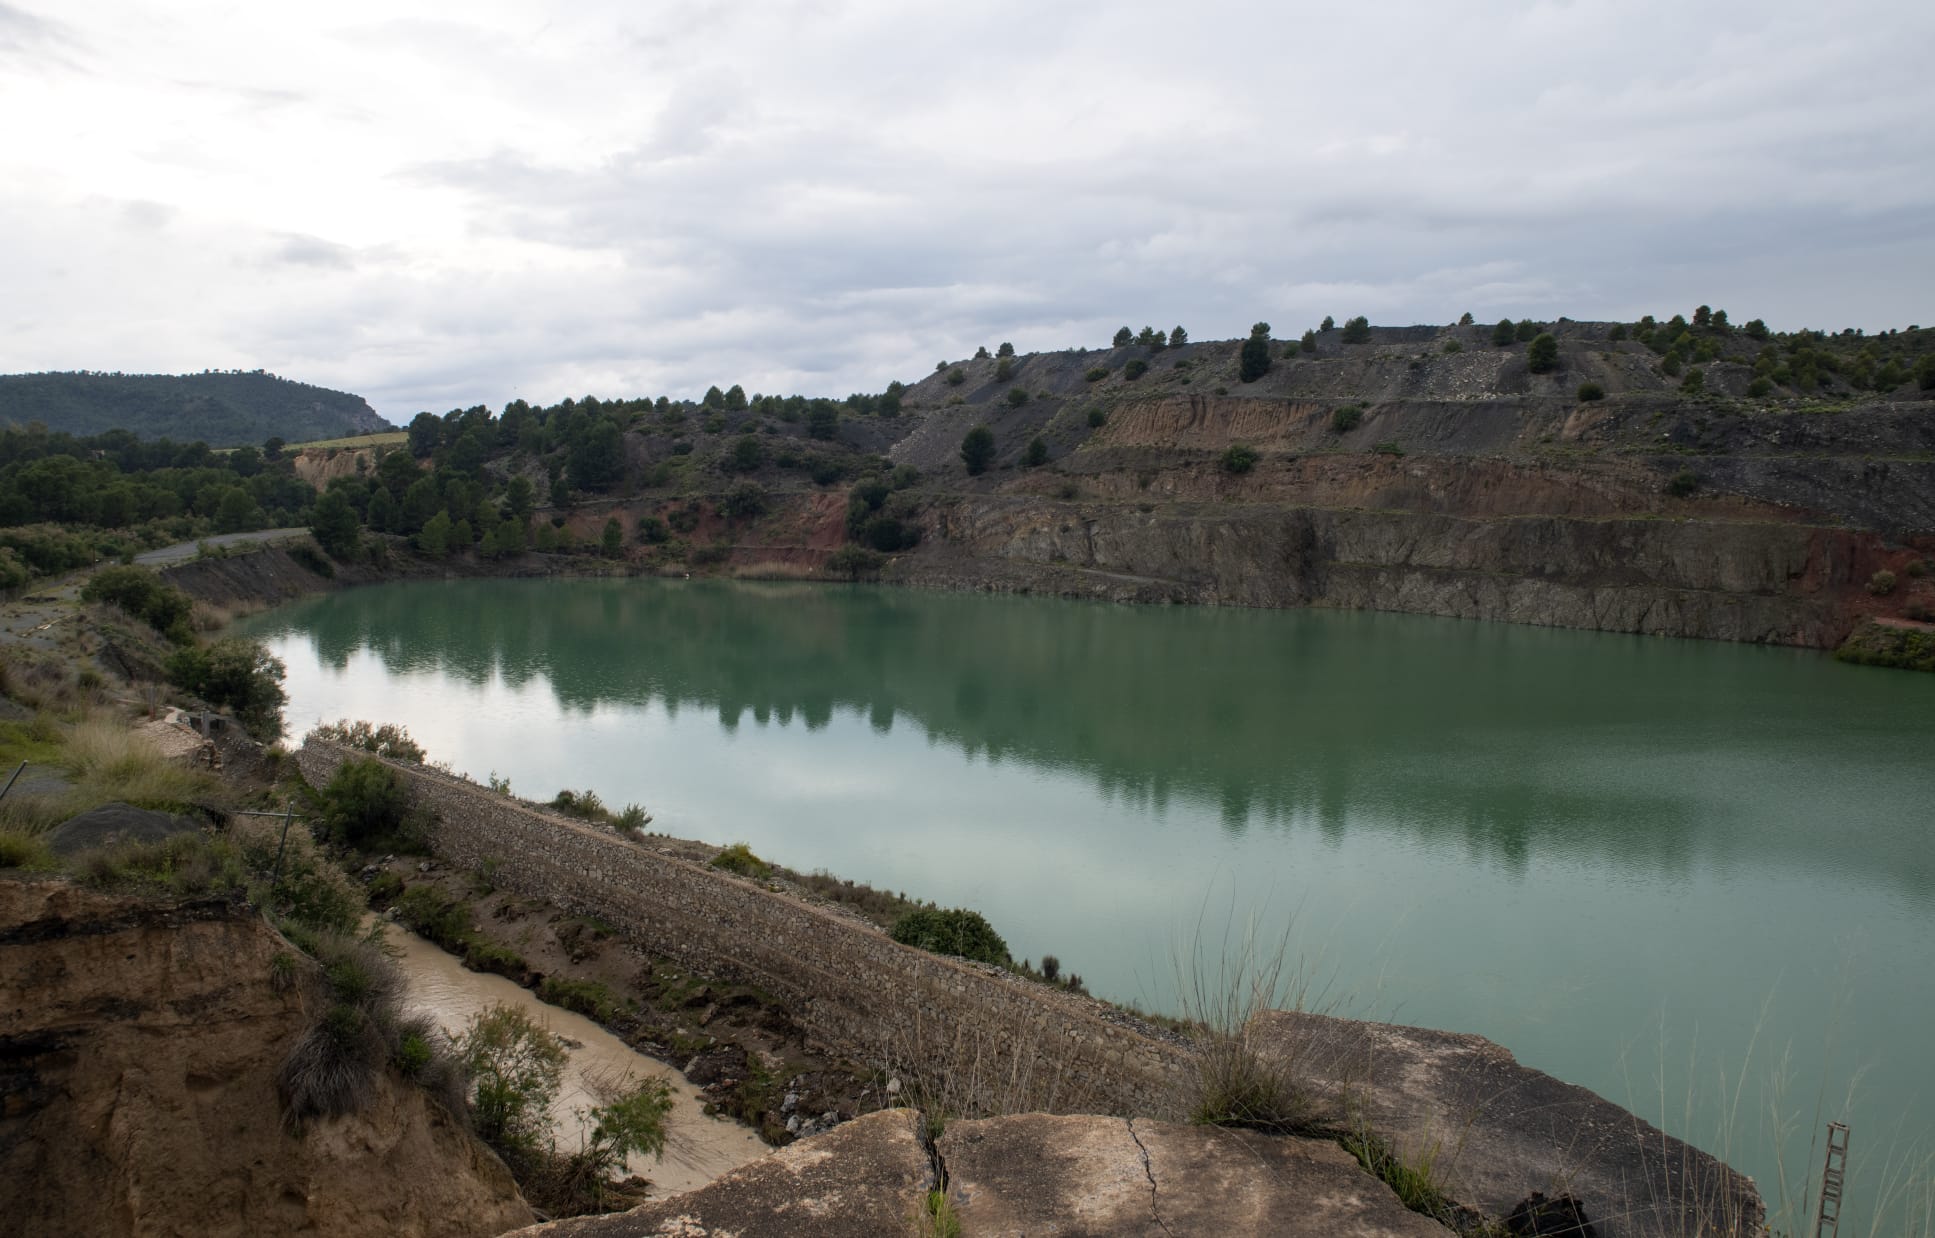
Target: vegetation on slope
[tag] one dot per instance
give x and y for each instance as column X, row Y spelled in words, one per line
column 225, row 408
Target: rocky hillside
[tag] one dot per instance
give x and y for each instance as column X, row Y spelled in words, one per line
column 1429, row 470
column 222, row 409
column 139, row 1045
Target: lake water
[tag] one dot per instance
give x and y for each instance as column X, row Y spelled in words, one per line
column 1697, row 878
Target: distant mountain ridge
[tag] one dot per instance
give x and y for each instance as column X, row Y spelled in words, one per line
column 223, row 408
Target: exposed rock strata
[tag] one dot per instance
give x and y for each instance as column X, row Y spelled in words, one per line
column 139, row 1045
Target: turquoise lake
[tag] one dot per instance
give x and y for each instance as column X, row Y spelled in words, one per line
column 1697, row 878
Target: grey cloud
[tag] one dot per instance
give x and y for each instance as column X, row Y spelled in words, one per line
column 36, row 40
column 312, row 251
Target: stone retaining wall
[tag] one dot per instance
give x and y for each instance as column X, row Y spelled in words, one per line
column 998, row 1041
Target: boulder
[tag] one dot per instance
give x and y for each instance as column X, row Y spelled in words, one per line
column 1499, row 1134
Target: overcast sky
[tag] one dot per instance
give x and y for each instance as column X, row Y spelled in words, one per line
column 438, row 205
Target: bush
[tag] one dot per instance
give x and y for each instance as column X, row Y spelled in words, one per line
column 1357, row 330
column 237, row 675
column 1345, row 418
column 1526, row 331
column 1016, row 397
column 1588, row 392
column 1134, row 369
column 1096, row 374
column 141, row 593
column 1453, row 346
column 1253, row 362
column 1682, row 483
column 436, row 916
column 739, row 858
column 515, row 1067
column 953, row 930
column 1543, row 355
column 1388, row 447
column 1239, row 458
column 1036, row 455
column 365, row 804
column 1004, row 370
column 745, row 501
column 1882, row 583
column 1694, row 382
column 977, row 450
column 955, row 377
column 1096, row 418
column 388, row 740
column 589, row 998
column 854, row 562
column 1504, row 333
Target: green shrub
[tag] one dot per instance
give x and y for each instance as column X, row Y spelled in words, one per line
column 1694, row 382
column 1504, row 333
column 739, row 858
column 384, row 887
column 1682, row 483
column 955, row 377
column 1253, row 361
column 745, row 501
column 237, row 675
column 1389, row 447
column 515, row 1067
column 486, row 956
column 1238, row 458
column 1670, row 365
column 977, row 450
column 366, row 804
column 1004, row 370
column 952, row 930
column 1036, row 455
column 1096, row 418
column 589, row 998
column 436, row 916
column 1453, row 346
column 1526, row 331
column 1357, row 330
column 1882, row 583
column 1135, row 368
column 853, row 562
column 141, row 593
column 19, row 850
column 1096, row 374
column 1588, row 392
column 388, row 740
column 1016, row 397
column 1345, row 418
column 1543, row 355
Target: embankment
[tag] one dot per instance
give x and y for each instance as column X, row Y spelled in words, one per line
column 1002, row 1042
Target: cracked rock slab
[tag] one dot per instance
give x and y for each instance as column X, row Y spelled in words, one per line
column 1041, row 1175
column 1496, row 1131
column 867, row 1177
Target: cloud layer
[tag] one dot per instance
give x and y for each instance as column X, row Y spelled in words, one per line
column 540, row 200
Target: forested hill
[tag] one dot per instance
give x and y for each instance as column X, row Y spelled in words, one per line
column 220, row 408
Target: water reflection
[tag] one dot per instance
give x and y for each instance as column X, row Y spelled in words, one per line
column 1513, row 740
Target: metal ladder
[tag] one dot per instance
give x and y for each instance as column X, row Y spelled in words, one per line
column 1827, row 1222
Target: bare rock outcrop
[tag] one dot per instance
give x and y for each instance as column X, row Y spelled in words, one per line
column 1496, row 1133
column 139, row 1044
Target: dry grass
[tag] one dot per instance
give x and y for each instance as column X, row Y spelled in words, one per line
column 111, row 762
column 1221, row 993
column 774, row 570
column 389, row 438
column 213, row 617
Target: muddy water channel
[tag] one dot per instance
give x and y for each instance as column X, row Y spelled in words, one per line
column 1697, row 878
column 698, row 1148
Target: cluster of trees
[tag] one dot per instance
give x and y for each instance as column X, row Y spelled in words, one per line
column 1803, row 360
column 117, row 481
column 1151, row 337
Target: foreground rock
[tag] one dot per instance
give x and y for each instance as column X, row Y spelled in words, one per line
column 869, row 1176
column 1037, row 1174
column 1495, row 1132
column 1032, row 1174
column 139, row 1044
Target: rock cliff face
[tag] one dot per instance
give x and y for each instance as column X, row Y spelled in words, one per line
column 1652, row 517
column 139, row 1045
